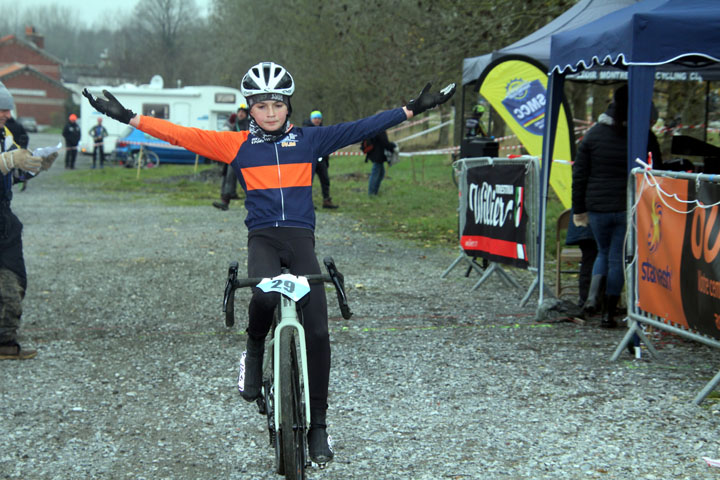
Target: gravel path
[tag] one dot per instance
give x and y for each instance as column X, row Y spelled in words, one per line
column 135, row 376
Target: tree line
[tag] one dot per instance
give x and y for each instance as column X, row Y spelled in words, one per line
column 349, row 59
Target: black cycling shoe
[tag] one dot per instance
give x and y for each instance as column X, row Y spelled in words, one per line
column 319, row 445
column 250, row 378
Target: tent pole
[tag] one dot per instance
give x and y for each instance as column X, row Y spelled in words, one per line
column 554, row 96
column 640, row 90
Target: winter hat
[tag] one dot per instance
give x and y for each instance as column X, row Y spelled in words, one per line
column 279, row 97
column 72, row 117
column 6, row 99
column 315, row 114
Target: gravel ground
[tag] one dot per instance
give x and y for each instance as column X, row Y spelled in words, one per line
column 135, row 376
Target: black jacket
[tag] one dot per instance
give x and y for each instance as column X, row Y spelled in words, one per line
column 71, row 134
column 599, row 173
column 381, row 143
column 20, row 136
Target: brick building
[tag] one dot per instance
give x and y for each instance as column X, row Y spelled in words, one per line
column 33, row 76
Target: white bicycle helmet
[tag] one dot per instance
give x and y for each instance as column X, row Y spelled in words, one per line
column 267, row 77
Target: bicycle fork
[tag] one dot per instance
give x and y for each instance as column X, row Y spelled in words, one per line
column 288, row 319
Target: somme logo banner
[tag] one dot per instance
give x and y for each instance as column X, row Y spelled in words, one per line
column 516, row 89
column 525, row 101
column 495, row 218
column 678, row 261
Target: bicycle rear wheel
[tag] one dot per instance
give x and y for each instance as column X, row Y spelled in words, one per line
column 151, row 159
column 292, row 407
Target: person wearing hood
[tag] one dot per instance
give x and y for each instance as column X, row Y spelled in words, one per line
column 599, row 199
column 274, row 162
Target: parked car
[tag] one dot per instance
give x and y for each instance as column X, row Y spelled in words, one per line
column 128, row 146
column 28, row 123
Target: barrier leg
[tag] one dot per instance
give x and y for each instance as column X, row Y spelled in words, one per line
column 460, row 258
column 633, row 329
column 533, row 287
column 452, row 265
column 709, row 387
column 494, row 267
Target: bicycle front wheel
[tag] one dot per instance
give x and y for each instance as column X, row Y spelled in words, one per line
column 292, row 407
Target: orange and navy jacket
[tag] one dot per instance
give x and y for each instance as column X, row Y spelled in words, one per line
column 277, row 177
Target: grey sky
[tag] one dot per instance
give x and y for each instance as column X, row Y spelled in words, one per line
column 91, row 11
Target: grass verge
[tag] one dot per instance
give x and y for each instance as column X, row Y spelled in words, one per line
column 418, row 200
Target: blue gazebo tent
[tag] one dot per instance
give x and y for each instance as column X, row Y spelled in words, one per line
column 644, row 38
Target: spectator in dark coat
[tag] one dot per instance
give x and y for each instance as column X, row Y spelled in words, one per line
column 323, row 165
column 599, row 196
column 377, row 156
column 237, row 122
column 71, row 134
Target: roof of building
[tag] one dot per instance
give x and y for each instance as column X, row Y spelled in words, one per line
column 10, row 39
column 16, row 69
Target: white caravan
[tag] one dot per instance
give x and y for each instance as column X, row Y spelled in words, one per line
column 207, row 107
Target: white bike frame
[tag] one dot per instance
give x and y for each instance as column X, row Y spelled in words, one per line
column 289, row 319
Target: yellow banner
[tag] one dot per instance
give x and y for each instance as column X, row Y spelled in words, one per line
column 517, row 91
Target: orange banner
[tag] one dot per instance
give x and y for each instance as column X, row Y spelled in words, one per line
column 660, row 233
column 678, row 266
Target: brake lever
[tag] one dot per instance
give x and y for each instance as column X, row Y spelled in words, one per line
column 229, row 297
column 339, row 281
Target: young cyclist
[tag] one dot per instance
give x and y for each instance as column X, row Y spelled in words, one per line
column 275, row 162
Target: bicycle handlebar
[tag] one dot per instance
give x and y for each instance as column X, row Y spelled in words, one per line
column 333, row 276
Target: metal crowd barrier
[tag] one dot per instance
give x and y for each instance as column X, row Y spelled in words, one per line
column 532, row 186
column 636, row 316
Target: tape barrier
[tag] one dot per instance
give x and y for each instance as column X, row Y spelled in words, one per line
column 156, row 144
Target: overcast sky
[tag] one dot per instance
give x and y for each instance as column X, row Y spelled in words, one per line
column 92, row 11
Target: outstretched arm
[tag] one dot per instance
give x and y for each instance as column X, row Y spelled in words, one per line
column 219, row 146
column 333, row 137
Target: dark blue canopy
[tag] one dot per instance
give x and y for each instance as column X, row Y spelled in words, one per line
column 647, row 37
column 652, row 32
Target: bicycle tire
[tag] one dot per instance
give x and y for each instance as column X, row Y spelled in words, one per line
column 151, row 159
column 269, row 376
column 293, row 412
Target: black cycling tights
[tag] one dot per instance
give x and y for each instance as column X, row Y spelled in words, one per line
column 268, row 250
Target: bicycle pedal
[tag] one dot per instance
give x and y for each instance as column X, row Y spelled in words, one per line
column 262, row 410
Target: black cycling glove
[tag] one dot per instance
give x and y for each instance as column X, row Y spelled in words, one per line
column 427, row 100
column 110, row 106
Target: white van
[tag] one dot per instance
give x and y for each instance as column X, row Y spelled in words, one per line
column 207, row 107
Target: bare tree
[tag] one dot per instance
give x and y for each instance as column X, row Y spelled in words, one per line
column 161, row 38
